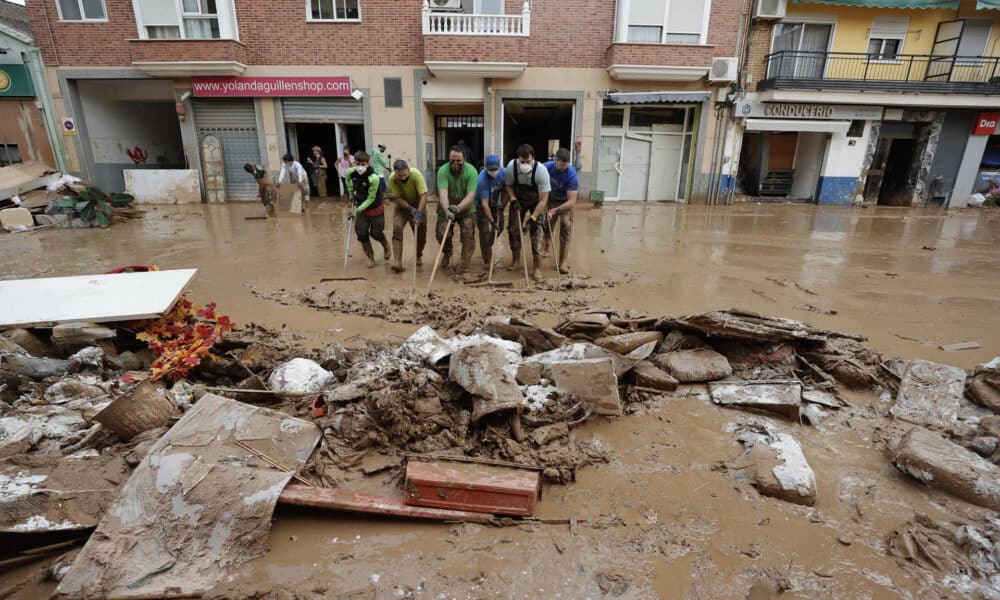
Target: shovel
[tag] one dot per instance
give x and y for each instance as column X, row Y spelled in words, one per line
column 437, row 262
column 489, row 280
column 555, row 260
column 347, row 251
column 524, row 260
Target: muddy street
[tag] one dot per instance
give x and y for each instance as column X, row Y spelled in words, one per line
column 665, row 507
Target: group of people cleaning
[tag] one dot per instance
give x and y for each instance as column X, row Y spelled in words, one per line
column 316, row 172
column 537, row 199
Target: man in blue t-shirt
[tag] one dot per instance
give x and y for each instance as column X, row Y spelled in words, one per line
column 562, row 199
column 489, row 196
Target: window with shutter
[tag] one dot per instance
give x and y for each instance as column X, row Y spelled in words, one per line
column 975, row 36
column 663, row 21
column 886, row 38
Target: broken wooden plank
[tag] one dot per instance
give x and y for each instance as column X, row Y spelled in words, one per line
column 960, row 346
column 91, row 298
column 748, row 326
column 317, row 497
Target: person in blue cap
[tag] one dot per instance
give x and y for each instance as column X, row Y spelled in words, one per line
column 489, row 196
column 565, row 186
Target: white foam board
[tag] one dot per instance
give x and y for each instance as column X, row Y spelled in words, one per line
column 90, row 298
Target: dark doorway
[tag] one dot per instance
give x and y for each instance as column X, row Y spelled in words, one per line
column 896, row 180
column 450, row 130
column 537, row 122
column 303, row 136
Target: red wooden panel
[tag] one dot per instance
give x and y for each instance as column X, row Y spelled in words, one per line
column 472, row 487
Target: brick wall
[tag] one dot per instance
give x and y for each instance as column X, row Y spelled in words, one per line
column 760, row 47
column 466, row 48
column 97, row 44
column 658, row 54
column 185, row 50
column 275, row 32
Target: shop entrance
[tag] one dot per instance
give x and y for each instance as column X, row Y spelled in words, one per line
column 546, row 125
column 128, row 124
column 782, row 164
column 458, row 130
column 645, row 151
column 331, row 138
column 888, row 181
column 331, row 124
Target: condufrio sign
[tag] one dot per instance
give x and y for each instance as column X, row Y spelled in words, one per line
column 986, row 123
column 262, row 87
column 795, row 110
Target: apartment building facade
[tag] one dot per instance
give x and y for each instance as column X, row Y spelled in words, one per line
column 893, row 102
column 630, row 86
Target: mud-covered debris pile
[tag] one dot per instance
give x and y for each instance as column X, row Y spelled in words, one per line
column 447, row 314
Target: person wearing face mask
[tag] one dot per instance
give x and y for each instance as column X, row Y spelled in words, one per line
column 562, row 199
column 489, row 195
column 344, row 163
column 408, row 188
column 456, row 183
column 365, row 192
column 528, row 186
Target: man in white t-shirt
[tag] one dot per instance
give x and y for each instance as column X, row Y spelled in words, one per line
column 528, row 186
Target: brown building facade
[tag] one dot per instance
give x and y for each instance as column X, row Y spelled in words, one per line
column 630, row 86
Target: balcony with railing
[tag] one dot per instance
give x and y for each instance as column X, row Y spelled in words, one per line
column 859, row 71
column 436, row 22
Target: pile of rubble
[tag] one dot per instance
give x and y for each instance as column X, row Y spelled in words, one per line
column 507, row 393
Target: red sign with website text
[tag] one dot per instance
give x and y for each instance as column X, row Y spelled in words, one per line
column 259, row 87
column 986, row 123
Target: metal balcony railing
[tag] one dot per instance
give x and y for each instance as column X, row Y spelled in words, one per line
column 872, row 72
column 457, row 23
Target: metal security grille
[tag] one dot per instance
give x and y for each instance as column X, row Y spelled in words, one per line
column 235, row 122
column 459, row 121
column 323, row 110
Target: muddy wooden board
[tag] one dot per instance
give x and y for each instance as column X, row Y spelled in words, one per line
column 91, row 298
column 197, row 502
column 782, row 396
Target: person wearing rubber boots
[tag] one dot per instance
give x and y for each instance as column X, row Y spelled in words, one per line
column 489, row 196
column 565, row 186
column 408, row 190
column 528, row 188
column 369, row 207
column 267, row 193
column 456, row 183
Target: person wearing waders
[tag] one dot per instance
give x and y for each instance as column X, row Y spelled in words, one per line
column 565, row 186
column 266, row 192
column 409, row 191
column 456, row 182
column 489, row 195
column 366, row 194
column 528, row 188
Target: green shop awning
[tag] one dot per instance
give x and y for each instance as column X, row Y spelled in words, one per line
column 899, row 3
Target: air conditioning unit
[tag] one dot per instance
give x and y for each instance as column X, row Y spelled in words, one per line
column 446, row 5
column 723, row 69
column 770, row 9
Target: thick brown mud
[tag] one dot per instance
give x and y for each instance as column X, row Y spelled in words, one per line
column 671, row 515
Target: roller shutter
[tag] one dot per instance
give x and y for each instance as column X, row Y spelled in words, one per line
column 323, row 110
column 235, row 122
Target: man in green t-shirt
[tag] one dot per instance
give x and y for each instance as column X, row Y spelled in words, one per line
column 456, row 183
column 409, row 191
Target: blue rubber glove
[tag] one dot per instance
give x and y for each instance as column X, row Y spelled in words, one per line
column 418, row 216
